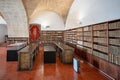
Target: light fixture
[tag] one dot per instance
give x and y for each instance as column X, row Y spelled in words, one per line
column 80, row 22
column 47, row 26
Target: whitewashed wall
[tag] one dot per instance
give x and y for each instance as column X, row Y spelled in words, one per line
column 15, row 15
column 86, row 12
column 48, row 18
column 3, row 32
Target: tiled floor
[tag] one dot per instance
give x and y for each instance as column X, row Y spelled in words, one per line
column 41, row 71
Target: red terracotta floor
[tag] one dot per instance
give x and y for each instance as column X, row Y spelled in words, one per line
column 41, row 71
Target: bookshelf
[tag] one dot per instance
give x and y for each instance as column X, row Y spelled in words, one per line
column 70, row 37
column 67, row 37
column 79, row 37
column 17, row 39
column 114, row 42
column 50, row 36
column 87, row 39
column 99, row 44
column 74, row 36
column 100, row 40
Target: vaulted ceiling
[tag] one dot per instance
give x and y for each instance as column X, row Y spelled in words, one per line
column 61, row 7
column 74, row 13
column 18, row 13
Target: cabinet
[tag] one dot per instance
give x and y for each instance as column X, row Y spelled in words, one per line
column 95, row 61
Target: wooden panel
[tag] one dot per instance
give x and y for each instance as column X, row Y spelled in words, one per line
column 95, row 61
column 103, row 65
column 119, row 73
column 89, row 58
column 25, row 61
column 112, row 70
column 66, row 52
column 26, row 56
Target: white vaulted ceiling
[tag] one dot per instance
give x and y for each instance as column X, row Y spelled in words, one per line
column 61, row 7
column 18, row 13
column 67, row 13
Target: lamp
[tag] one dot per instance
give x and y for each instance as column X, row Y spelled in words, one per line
column 47, row 26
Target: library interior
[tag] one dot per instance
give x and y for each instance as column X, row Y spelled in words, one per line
column 60, row 39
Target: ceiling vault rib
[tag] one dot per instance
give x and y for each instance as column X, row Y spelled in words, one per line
column 61, row 7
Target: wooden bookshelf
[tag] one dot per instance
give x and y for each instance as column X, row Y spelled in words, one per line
column 114, row 42
column 70, row 37
column 87, row 39
column 100, row 40
column 17, row 39
column 79, row 37
column 99, row 44
column 74, row 36
column 50, row 36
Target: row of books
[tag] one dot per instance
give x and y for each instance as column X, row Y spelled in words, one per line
column 114, row 49
column 114, row 41
column 87, row 39
column 100, row 55
column 79, row 30
column 79, row 33
column 114, row 58
column 100, row 40
column 88, row 50
column 87, row 34
column 101, row 48
column 114, row 25
column 87, row 44
column 100, row 26
column 100, row 33
column 114, row 33
column 87, row 28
